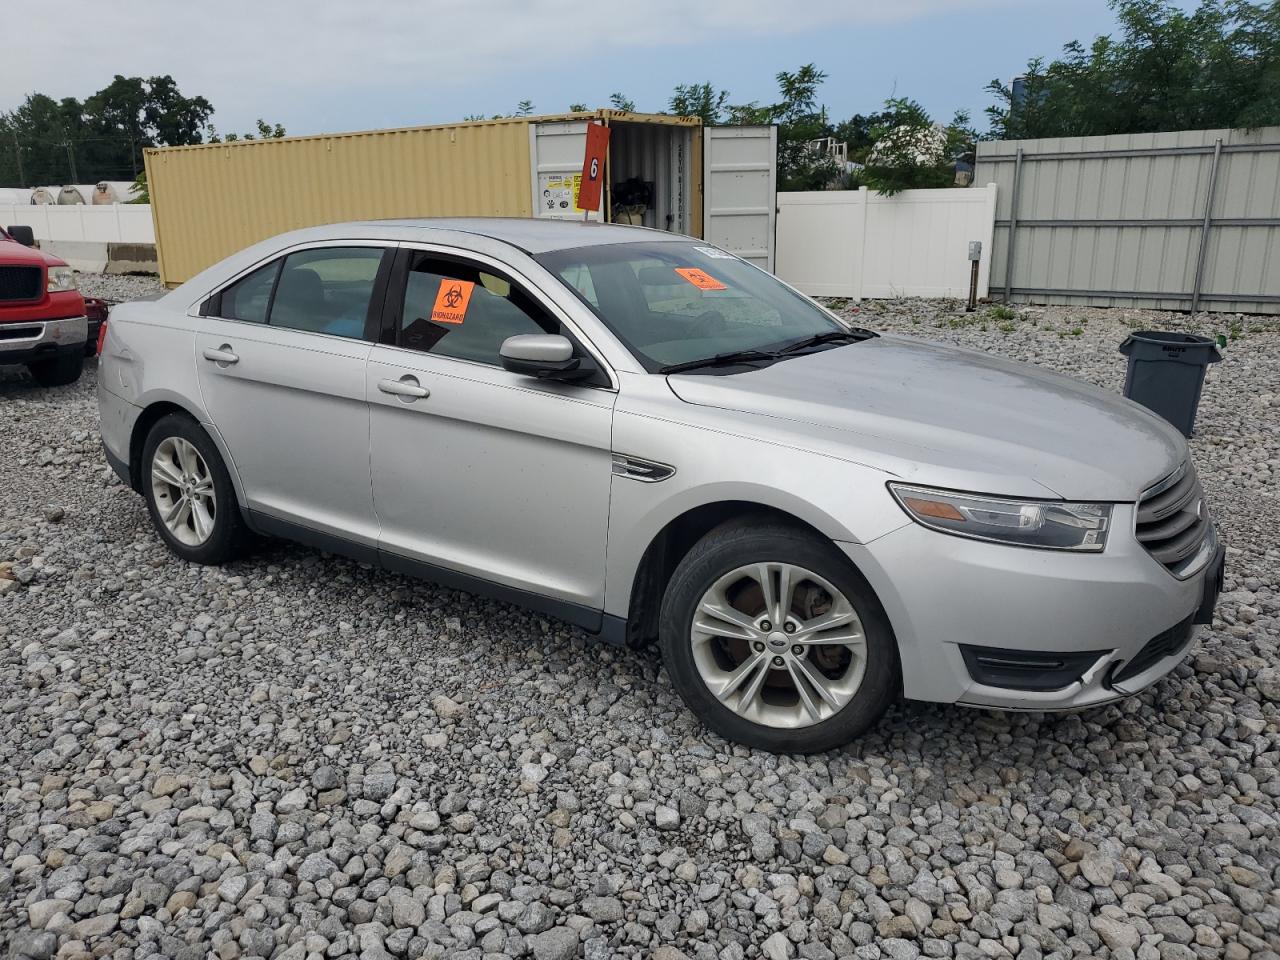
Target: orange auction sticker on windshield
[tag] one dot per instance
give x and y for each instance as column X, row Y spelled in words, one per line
column 703, row 281
column 451, row 301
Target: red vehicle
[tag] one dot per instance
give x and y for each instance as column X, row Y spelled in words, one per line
column 43, row 321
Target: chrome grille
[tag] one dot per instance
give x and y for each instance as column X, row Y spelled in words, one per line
column 1173, row 522
column 20, row 283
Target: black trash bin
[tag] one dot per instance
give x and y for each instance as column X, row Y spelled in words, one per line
column 1166, row 372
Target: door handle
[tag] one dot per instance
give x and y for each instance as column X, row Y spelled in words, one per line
column 407, row 388
column 222, row 356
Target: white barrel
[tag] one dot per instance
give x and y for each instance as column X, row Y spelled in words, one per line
column 112, row 191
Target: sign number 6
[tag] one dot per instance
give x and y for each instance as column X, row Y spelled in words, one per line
column 593, row 167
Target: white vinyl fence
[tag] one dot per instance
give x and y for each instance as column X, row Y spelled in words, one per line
column 83, row 223
column 858, row 244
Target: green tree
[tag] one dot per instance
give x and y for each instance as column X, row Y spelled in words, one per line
column 139, row 192
column 523, row 109
column 1166, row 69
column 177, row 120
column 578, row 108
column 800, row 120
column 620, row 102
column 101, row 138
column 911, row 151
column 262, row 131
column 39, row 141
column 698, row 100
column 858, row 133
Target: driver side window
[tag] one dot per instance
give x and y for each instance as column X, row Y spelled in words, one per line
column 462, row 310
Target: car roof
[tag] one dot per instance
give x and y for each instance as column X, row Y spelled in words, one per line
column 529, row 234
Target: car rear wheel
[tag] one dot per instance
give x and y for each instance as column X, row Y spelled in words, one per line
column 189, row 493
column 57, row 371
column 774, row 640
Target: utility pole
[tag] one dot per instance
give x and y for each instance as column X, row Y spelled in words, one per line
column 71, row 159
column 17, row 152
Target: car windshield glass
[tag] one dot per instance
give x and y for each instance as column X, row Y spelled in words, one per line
column 675, row 302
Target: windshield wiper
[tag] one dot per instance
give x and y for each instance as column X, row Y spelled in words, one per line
column 855, row 335
column 721, row 360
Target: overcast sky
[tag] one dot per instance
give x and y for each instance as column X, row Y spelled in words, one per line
column 319, row 66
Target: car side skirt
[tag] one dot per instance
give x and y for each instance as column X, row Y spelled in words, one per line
column 609, row 628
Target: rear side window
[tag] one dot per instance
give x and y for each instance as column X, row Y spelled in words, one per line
column 326, row 290
column 249, row 298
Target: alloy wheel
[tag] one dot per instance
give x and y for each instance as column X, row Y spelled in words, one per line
column 183, row 490
column 779, row 645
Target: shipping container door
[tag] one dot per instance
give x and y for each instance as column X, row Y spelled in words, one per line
column 740, row 190
column 556, row 150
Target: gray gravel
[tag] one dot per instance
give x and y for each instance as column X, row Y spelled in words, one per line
column 301, row 757
column 117, row 287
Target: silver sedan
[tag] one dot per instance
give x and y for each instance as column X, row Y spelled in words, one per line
column 652, row 439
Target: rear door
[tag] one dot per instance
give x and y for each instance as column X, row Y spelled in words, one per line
column 281, row 355
column 740, row 191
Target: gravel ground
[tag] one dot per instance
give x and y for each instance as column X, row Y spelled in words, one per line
column 301, row 757
column 117, row 287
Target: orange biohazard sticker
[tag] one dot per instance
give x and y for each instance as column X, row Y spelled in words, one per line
column 451, row 301
column 703, row 281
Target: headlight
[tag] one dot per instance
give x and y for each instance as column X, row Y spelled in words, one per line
column 61, row 278
column 1048, row 524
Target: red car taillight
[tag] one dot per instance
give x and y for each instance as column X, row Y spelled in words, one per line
column 102, row 337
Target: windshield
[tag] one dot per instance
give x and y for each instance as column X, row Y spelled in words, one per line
column 673, row 302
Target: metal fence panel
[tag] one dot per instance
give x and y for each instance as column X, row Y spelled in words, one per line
column 1181, row 220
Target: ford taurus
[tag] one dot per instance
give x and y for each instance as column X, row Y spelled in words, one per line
column 659, row 442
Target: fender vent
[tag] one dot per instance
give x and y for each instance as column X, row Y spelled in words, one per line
column 636, row 468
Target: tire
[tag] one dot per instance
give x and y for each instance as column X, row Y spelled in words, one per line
column 779, row 717
column 208, row 534
column 57, row 371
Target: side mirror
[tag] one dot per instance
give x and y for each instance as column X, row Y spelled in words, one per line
column 24, row 235
column 547, row 356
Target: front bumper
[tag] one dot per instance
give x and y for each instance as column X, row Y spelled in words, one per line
column 944, row 593
column 22, row 341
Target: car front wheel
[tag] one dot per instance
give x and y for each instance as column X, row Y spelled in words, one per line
column 189, row 493
column 774, row 640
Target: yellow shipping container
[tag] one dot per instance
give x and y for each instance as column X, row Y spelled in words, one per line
column 211, row 200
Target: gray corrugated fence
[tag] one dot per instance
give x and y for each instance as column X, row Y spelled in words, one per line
column 1182, row 221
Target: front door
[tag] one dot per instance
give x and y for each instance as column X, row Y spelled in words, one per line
column 478, row 470
column 281, row 359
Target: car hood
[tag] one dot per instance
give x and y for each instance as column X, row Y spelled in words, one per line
column 946, row 416
column 13, row 253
